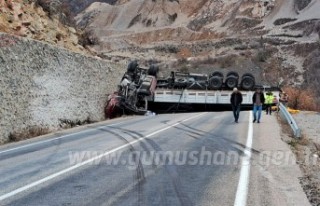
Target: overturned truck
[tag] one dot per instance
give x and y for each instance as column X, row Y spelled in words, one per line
column 136, row 88
column 140, row 89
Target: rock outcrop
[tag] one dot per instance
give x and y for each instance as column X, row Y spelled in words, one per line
column 28, row 19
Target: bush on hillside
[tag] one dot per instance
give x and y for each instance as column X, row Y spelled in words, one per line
column 302, row 99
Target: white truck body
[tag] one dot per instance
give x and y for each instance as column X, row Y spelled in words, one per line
column 200, row 96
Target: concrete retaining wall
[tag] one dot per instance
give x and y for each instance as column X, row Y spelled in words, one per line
column 41, row 84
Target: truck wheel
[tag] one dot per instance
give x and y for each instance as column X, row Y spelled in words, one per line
column 132, row 66
column 247, row 75
column 153, row 70
column 215, row 82
column 247, row 82
column 233, row 74
column 231, row 82
column 216, row 74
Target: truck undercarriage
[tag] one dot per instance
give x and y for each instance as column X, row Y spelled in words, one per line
column 140, row 88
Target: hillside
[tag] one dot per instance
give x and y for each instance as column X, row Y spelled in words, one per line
column 145, row 22
column 28, row 19
column 277, row 39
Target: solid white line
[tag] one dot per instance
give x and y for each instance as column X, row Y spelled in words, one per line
column 243, row 185
column 57, row 138
column 50, row 177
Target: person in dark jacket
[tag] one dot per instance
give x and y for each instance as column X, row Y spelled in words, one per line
column 258, row 101
column 236, row 100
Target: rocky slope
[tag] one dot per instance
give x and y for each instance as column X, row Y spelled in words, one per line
column 278, row 38
column 27, row 19
column 150, row 21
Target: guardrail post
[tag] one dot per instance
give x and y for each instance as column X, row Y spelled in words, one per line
column 298, row 133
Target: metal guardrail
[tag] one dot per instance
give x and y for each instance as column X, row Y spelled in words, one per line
column 284, row 112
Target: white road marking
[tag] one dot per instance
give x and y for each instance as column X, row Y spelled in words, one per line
column 62, row 172
column 243, row 185
column 57, row 138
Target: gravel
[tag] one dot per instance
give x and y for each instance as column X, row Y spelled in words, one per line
column 307, row 151
column 310, row 125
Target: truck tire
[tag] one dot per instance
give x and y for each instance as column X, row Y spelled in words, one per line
column 132, row 66
column 215, row 82
column 232, row 80
column 247, row 81
column 233, row 74
column 153, row 70
column 216, row 74
column 248, row 74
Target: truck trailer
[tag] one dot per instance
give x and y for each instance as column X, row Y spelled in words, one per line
column 140, row 90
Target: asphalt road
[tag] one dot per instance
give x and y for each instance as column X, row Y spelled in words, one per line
column 169, row 159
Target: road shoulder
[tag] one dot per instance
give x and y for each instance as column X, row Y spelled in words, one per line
column 307, row 151
column 275, row 175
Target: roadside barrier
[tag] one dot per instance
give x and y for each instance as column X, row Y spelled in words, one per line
column 286, row 115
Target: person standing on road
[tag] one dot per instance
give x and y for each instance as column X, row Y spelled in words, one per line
column 258, row 101
column 236, row 100
column 269, row 102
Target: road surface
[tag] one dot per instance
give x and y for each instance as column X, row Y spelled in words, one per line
column 169, row 159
